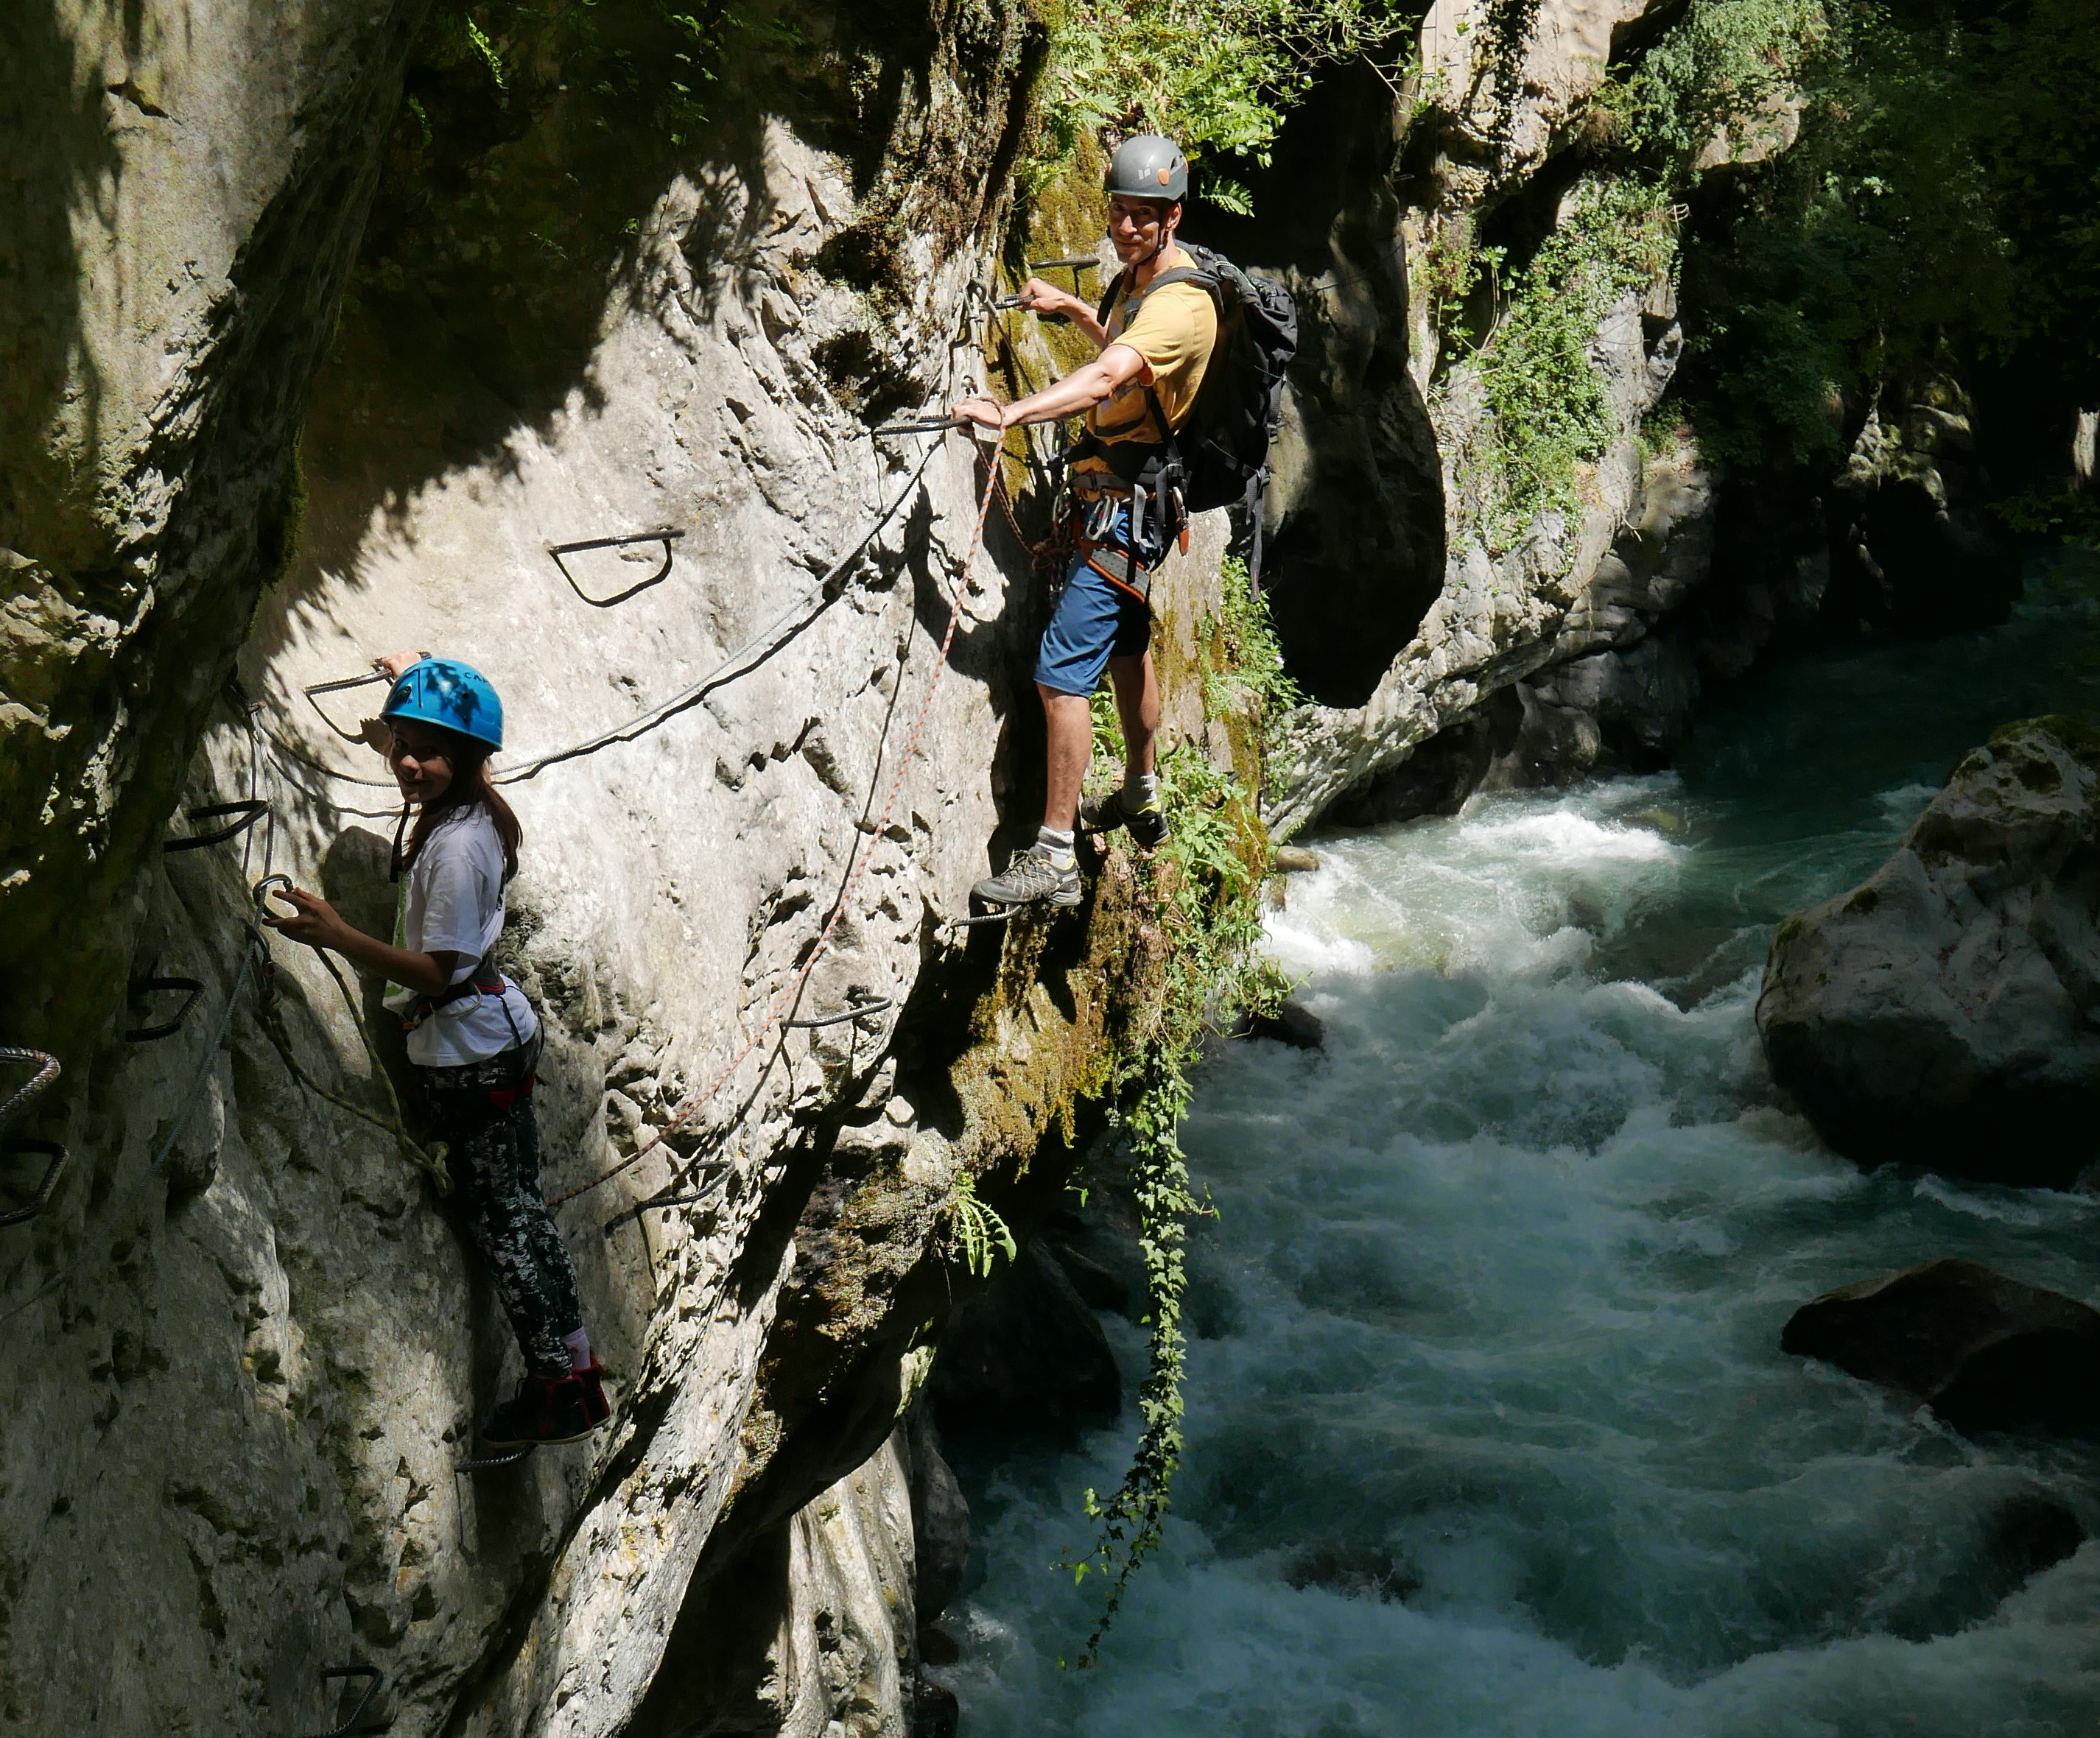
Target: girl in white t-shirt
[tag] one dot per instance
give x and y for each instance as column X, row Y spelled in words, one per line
column 473, row 1036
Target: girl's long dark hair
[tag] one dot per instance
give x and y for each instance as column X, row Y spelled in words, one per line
column 471, row 784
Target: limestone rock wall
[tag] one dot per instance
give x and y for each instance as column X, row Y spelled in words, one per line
column 1582, row 639
column 251, row 1344
column 189, row 184
column 1940, row 1014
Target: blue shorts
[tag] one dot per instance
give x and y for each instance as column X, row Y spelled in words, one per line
column 1095, row 620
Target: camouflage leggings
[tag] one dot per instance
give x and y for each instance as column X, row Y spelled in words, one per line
column 495, row 1166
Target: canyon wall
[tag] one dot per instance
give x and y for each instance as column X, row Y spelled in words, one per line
column 760, row 760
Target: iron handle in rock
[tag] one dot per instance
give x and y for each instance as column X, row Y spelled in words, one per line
column 667, row 537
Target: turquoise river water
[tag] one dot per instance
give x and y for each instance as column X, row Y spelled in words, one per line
column 1489, row 1428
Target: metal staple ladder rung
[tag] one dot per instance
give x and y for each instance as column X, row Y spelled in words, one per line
column 667, row 537
column 250, row 810
column 141, row 987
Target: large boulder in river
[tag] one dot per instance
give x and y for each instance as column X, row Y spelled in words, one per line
column 1942, row 1014
column 1987, row 1352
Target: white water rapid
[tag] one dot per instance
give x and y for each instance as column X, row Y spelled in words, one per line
column 1489, row 1428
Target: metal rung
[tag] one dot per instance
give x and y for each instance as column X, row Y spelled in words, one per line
column 250, row 810
column 341, row 685
column 47, row 1071
column 667, row 537
column 859, row 1011
column 142, row 987
column 490, row 1462
column 370, row 1673
column 930, row 426
column 57, row 1155
column 988, row 917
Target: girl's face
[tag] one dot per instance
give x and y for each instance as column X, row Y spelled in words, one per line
column 421, row 763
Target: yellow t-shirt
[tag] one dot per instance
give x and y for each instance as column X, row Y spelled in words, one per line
column 1174, row 327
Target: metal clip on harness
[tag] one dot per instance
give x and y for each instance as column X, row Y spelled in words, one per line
column 667, row 537
column 47, row 1071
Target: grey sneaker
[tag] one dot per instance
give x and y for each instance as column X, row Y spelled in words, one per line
column 1104, row 814
column 1030, row 876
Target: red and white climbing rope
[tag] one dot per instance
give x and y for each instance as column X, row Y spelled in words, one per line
column 792, row 991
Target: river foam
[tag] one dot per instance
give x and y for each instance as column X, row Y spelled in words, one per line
column 1488, row 1429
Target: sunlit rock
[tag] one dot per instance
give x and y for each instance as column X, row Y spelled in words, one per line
column 1941, row 1014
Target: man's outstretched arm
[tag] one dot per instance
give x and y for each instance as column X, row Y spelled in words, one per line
column 1074, row 395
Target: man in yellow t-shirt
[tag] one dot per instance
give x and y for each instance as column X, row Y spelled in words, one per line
column 1155, row 349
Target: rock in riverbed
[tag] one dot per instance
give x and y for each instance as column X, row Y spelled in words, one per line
column 1942, row 1014
column 1987, row 1352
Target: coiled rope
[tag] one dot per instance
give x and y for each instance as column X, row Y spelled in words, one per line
column 792, row 991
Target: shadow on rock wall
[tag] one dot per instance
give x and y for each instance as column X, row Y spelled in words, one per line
column 1355, row 552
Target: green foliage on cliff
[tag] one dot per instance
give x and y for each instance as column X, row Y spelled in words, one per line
column 1207, row 881
column 1211, row 878
column 1942, row 207
column 1546, row 410
column 1216, row 75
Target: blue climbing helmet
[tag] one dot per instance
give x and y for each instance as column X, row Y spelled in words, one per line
column 451, row 694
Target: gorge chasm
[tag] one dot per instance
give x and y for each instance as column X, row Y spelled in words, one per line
column 554, row 341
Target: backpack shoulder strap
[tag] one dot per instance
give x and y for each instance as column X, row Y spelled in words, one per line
column 1109, row 301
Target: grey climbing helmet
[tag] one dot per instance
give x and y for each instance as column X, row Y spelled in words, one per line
column 1148, row 167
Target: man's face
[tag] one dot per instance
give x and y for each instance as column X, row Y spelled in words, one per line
column 1135, row 225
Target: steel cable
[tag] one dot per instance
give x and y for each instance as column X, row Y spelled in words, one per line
column 790, row 993
column 727, row 670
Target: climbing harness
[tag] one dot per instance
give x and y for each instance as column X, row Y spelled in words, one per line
column 430, row 1160
column 250, row 810
column 47, row 1071
column 858, row 864
column 666, row 537
column 142, row 987
column 331, row 1673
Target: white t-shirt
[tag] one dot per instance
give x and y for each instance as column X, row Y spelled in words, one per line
column 452, row 902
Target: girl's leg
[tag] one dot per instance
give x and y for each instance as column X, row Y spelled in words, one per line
column 496, row 1161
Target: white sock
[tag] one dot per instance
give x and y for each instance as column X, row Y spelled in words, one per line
column 1058, row 845
column 579, row 1352
column 1140, row 790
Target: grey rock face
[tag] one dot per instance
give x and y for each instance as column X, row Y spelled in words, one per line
column 1941, row 1014
column 1985, row 1351
column 190, row 185
column 253, row 1348
column 940, row 1519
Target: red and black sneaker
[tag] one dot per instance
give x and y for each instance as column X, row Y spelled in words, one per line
column 547, row 1409
column 597, row 1407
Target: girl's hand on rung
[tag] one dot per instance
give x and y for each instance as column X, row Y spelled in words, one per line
column 315, row 921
